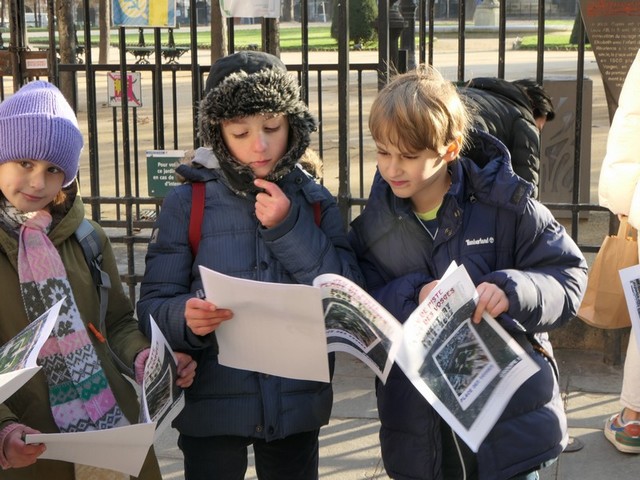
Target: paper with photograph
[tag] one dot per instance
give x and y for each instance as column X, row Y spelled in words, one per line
column 161, row 398
column 277, row 329
column 468, row 372
column 124, row 449
column 355, row 323
column 630, row 278
column 18, row 356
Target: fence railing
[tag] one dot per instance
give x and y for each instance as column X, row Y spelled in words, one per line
column 114, row 171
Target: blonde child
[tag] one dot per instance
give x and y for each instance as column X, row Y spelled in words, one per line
column 428, row 207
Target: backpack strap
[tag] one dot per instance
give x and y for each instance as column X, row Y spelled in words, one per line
column 317, row 213
column 90, row 242
column 197, row 212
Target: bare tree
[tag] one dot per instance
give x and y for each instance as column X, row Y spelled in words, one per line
column 104, row 19
column 287, row 10
column 218, row 33
column 67, row 44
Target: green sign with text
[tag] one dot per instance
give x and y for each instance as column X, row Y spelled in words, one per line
column 161, row 175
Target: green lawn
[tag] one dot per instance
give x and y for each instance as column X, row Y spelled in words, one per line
column 290, row 39
column 552, row 41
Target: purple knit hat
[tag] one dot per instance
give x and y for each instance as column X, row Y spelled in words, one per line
column 38, row 123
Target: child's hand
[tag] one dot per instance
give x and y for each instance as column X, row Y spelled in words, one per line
column 426, row 290
column 491, row 299
column 186, row 369
column 18, row 453
column 272, row 205
column 204, row 317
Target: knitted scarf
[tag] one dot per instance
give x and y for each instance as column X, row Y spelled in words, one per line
column 79, row 393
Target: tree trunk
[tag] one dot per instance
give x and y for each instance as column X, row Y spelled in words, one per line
column 271, row 36
column 104, row 18
column 67, row 44
column 287, row 10
column 218, row 33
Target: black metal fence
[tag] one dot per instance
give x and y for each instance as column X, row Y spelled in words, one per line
column 164, row 84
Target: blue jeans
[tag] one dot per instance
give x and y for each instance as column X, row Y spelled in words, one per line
column 225, row 457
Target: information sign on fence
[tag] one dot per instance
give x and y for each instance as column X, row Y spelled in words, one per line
column 134, row 89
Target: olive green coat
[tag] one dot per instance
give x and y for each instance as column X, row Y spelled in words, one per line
column 30, row 404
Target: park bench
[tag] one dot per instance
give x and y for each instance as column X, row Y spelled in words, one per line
column 170, row 52
column 79, row 49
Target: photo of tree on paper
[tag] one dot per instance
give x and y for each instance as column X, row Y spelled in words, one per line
column 161, row 387
column 14, row 353
column 467, row 362
column 346, row 324
column 464, row 362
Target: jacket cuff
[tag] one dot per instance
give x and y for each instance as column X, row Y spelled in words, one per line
column 139, row 364
column 4, row 433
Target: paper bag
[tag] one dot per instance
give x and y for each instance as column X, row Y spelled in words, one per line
column 604, row 304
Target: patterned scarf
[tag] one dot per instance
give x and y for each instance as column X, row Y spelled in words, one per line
column 80, row 396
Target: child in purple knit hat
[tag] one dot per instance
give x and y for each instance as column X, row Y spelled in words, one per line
column 81, row 386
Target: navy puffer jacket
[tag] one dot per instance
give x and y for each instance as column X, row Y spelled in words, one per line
column 222, row 400
column 489, row 223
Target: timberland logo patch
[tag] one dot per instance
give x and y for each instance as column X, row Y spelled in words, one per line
column 479, row 241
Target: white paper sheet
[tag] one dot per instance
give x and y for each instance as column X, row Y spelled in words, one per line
column 277, row 329
column 123, row 449
column 630, row 278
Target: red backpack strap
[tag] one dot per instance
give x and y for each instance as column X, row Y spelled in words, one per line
column 317, row 212
column 197, row 212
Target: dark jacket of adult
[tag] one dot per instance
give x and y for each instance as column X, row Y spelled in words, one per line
column 503, row 109
column 527, row 254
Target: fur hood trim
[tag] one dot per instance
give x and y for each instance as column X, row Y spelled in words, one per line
column 241, row 94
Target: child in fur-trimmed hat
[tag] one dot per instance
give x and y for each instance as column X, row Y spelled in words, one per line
column 259, row 223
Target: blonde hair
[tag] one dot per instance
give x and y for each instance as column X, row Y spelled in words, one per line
column 419, row 110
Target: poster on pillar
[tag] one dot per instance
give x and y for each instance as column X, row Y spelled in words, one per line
column 143, row 13
column 244, row 9
column 613, row 29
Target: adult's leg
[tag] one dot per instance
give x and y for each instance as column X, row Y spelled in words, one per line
column 630, row 394
column 222, row 457
column 292, row 458
column 623, row 429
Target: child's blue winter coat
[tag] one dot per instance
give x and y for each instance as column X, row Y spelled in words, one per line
column 488, row 223
column 222, row 400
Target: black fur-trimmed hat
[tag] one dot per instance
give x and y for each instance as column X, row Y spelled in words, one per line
column 249, row 83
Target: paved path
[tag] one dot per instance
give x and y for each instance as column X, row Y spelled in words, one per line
column 349, row 444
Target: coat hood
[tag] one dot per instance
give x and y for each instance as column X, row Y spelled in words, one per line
column 250, row 83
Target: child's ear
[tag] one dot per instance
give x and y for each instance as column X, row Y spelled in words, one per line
column 453, row 150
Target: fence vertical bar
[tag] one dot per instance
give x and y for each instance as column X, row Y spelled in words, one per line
column 344, row 188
